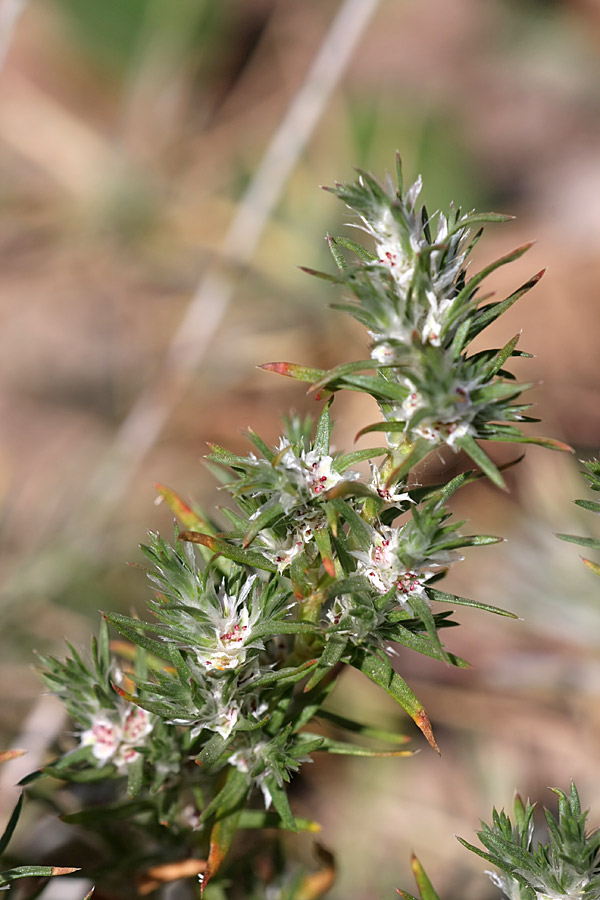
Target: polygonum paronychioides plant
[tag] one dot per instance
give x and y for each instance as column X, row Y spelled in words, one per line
column 211, row 709
column 564, row 867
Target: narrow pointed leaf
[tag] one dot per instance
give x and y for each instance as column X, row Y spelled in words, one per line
column 266, row 518
column 367, row 731
column 221, row 838
column 325, row 276
column 454, row 599
column 352, row 459
column 184, row 513
column 281, row 803
column 591, row 505
column 485, row 315
column 292, row 370
column 345, row 748
column 34, row 872
column 323, row 543
column 380, row 671
column 236, row 554
column 472, row 449
column 261, row 818
column 592, row 566
column 592, row 543
column 12, row 824
column 425, row 886
column 332, row 654
column 323, row 433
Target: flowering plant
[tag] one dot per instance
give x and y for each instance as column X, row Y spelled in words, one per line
column 213, row 704
column 566, row 866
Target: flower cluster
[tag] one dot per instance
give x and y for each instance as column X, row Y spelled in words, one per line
column 114, row 736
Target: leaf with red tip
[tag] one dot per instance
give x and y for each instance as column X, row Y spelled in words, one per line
column 34, row 872
column 323, row 543
column 592, row 566
column 487, row 270
column 379, row 669
column 293, row 370
column 230, row 551
column 184, row 513
column 334, row 279
column 425, row 886
column 227, row 806
column 124, row 694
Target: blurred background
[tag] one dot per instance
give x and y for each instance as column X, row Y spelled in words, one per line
column 160, row 165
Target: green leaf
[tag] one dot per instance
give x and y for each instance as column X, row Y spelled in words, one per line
column 344, row 748
column 186, row 515
column 379, row 670
column 323, row 542
column 212, row 751
column 332, row 654
column 358, row 526
column 485, row 315
column 338, row 257
column 281, row 803
column 367, row 731
column 230, row 798
column 323, row 433
column 454, row 599
column 360, row 251
column 135, row 776
column 592, row 566
column 281, row 626
column 292, row 370
column 352, row 459
column 267, row 517
column 425, row 886
column 134, row 631
column 237, row 554
column 12, row 824
column 260, row 818
column 34, row 872
column 424, row 645
column 472, row 448
column 107, row 813
column 592, row 543
column 476, row 280
column 221, row 838
column 591, row 505
column 325, row 276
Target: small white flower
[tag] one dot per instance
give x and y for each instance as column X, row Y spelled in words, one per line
column 113, row 737
column 389, row 494
column 233, row 625
column 442, row 432
column 340, row 608
column 282, row 552
column 103, row 737
column 312, row 470
column 384, row 569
